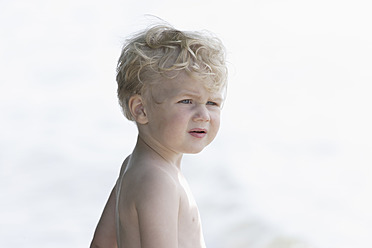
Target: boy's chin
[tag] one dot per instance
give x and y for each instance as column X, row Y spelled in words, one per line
column 196, row 148
column 194, row 151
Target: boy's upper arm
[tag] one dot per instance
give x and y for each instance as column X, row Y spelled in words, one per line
column 105, row 233
column 157, row 206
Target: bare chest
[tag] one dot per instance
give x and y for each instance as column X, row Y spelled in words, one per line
column 190, row 228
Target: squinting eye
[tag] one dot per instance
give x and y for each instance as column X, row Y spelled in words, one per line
column 212, row 103
column 186, row 101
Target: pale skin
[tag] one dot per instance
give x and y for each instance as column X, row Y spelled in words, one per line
column 156, row 208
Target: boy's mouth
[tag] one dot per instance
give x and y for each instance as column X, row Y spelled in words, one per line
column 198, row 132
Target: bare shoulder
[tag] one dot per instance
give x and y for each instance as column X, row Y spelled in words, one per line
column 154, row 180
column 145, row 180
column 124, row 166
column 154, row 193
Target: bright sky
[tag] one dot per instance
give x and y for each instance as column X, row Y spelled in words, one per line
column 298, row 110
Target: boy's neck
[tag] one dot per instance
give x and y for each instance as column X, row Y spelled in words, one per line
column 144, row 146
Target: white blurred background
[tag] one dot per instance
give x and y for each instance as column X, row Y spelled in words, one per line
column 290, row 168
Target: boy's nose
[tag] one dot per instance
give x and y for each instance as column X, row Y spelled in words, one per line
column 202, row 114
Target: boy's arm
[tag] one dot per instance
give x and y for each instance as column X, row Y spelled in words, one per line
column 157, row 204
column 105, row 234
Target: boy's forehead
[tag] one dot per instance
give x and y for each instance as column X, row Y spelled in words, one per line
column 196, row 93
column 183, row 85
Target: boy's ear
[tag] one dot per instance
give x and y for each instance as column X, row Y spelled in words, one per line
column 137, row 109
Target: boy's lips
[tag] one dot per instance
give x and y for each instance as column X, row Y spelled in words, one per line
column 198, row 132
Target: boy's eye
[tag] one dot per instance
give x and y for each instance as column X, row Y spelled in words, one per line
column 212, row 103
column 186, row 101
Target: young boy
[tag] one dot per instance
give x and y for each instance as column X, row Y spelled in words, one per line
column 171, row 83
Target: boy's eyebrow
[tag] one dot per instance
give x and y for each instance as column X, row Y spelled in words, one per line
column 188, row 93
column 197, row 95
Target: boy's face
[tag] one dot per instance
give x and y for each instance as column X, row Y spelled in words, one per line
column 183, row 116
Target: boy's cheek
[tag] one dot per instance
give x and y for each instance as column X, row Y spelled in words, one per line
column 216, row 115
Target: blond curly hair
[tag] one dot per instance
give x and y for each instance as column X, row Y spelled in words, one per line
column 162, row 51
